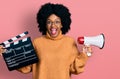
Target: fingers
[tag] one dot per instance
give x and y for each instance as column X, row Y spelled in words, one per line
column 87, row 49
column 2, row 49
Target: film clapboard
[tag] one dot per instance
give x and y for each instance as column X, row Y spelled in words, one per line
column 19, row 53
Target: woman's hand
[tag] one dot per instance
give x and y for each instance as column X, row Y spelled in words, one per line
column 1, row 49
column 87, row 49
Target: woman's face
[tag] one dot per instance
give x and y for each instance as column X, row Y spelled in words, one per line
column 53, row 25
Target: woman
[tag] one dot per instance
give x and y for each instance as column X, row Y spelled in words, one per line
column 58, row 54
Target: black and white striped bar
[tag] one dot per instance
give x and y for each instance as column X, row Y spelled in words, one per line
column 7, row 43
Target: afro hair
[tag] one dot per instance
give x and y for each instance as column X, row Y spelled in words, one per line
column 59, row 10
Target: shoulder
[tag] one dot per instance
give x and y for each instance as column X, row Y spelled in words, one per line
column 68, row 38
column 39, row 39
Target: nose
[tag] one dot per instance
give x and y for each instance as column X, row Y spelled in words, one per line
column 53, row 24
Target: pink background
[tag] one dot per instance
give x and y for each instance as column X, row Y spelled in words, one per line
column 89, row 18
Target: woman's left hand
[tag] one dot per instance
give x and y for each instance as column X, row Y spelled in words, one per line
column 87, row 49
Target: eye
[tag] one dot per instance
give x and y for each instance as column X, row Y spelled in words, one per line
column 57, row 22
column 48, row 22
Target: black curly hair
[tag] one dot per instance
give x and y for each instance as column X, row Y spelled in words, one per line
column 59, row 10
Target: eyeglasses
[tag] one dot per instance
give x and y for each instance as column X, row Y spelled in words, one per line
column 56, row 23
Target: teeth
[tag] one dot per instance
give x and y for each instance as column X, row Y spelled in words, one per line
column 53, row 29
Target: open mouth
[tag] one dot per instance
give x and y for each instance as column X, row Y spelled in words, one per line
column 53, row 31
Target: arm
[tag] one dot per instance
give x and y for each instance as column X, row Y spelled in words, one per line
column 79, row 63
column 80, row 60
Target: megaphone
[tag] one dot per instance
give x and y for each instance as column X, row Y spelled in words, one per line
column 98, row 41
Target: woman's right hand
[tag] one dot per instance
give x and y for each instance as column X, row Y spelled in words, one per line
column 1, row 49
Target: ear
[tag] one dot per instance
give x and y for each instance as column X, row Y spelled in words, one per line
column 61, row 26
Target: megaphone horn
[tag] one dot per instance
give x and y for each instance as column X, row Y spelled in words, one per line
column 98, row 40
